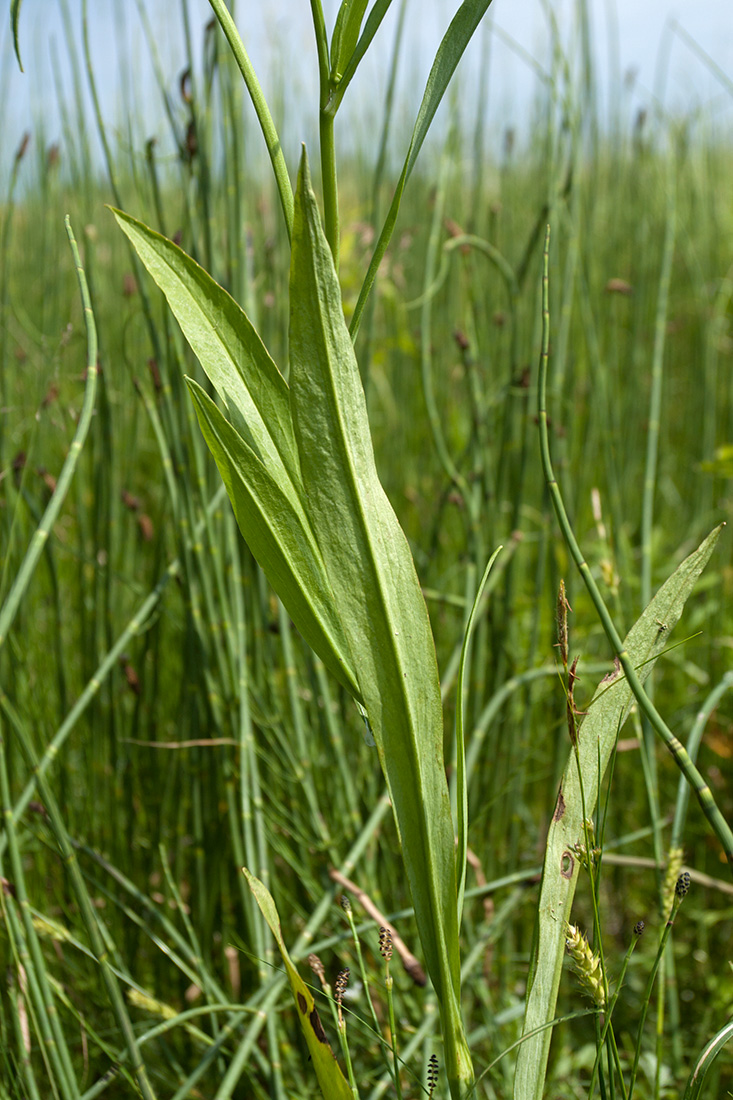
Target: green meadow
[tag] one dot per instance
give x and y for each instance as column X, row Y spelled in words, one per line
column 179, row 702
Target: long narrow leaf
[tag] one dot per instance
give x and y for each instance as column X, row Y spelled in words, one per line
column 346, row 35
column 380, row 604
column 279, row 536
column 597, row 737
column 14, row 19
column 705, row 1061
column 450, row 51
column 334, row 1085
column 252, row 389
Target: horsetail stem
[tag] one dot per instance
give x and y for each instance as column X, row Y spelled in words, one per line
column 704, row 795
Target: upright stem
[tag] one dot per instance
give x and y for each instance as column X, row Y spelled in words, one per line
column 704, row 795
column 326, row 135
column 330, row 187
column 272, row 139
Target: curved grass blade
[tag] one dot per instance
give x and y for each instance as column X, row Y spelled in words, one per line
column 450, row 51
column 280, row 537
column 253, row 444
column 381, row 607
column 15, row 20
column 705, row 1061
column 267, row 125
column 334, row 1085
column 597, row 737
column 708, row 805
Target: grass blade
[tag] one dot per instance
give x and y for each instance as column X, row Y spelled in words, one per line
column 450, row 51
column 280, row 537
column 705, row 1061
column 461, row 782
column 333, row 1084
column 346, row 35
column 23, row 577
column 15, row 19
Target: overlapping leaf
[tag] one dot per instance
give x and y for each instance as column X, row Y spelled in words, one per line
column 300, row 472
column 253, row 443
column 381, row 607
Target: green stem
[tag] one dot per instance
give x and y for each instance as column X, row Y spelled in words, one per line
column 326, row 135
column 650, row 986
column 655, row 399
column 704, row 795
column 24, row 574
column 270, row 134
column 330, row 185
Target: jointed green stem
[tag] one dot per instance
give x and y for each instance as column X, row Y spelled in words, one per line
column 704, row 795
column 24, row 574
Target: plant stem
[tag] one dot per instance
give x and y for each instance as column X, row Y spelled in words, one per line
column 326, row 136
column 704, row 795
column 262, row 111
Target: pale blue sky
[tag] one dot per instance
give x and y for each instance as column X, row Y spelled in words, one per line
column 630, row 35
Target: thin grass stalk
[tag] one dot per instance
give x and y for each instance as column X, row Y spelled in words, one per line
column 135, row 626
column 679, row 894
column 426, row 336
column 304, row 756
column 368, row 325
column 301, row 948
column 269, row 132
column 90, row 920
column 326, row 120
column 200, row 131
column 422, row 1034
column 655, row 397
column 452, row 46
column 649, row 488
column 5, row 236
column 21, row 1028
column 344, row 756
column 704, row 795
column 23, row 576
column 50, row 1032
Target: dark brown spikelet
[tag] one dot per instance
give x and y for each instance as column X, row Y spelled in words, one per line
column 345, row 904
column 638, row 927
column 683, row 885
column 432, row 1074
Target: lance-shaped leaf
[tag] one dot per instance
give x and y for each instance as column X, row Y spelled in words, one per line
column 381, row 607
column 596, row 740
column 279, row 536
column 334, row 1085
column 253, row 444
column 252, row 389
column 346, row 35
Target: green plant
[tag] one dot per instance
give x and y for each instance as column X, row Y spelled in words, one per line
column 260, row 730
